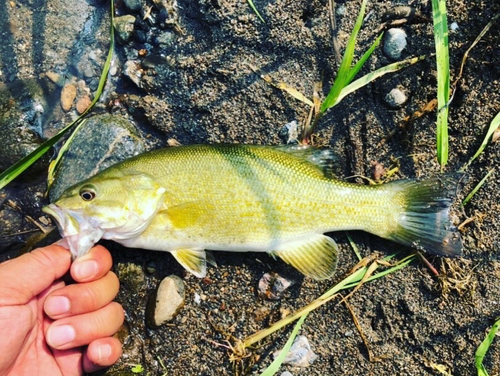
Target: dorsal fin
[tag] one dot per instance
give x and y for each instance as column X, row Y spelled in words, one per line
column 323, row 159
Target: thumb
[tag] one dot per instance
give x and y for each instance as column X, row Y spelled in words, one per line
column 26, row 276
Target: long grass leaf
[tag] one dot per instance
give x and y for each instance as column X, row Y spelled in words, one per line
column 443, row 77
column 494, row 125
column 276, row 364
column 483, row 349
column 364, row 58
column 345, row 65
column 476, row 188
column 19, row 167
column 367, row 78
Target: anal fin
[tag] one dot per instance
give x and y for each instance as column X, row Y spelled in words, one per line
column 193, row 260
column 315, row 257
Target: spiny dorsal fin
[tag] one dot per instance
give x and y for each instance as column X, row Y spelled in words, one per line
column 315, row 257
column 193, row 260
column 323, row 159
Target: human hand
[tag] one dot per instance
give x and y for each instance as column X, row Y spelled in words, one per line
column 50, row 328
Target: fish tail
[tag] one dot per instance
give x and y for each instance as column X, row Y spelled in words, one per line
column 424, row 222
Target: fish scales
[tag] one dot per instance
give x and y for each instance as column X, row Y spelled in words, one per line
column 189, row 199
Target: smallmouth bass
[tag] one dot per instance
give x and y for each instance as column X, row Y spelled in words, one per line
column 189, row 199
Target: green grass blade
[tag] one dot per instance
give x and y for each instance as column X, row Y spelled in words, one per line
column 252, row 5
column 476, row 188
column 345, row 66
column 19, row 167
column 364, row 58
column 443, row 77
column 55, row 163
column 494, row 125
column 366, row 79
column 276, row 364
column 483, row 349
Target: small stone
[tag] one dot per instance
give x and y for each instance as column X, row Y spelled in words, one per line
column 83, row 104
column 453, row 26
column 169, row 299
column 68, row 95
column 124, row 26
column 55, row 78
column 142, row 52
column 133, row 6
column 133, row 71
column 395, row 98
column 378, row 170
column 399, row 12
column 272, row 286
column 290, row 132
column 286, row 373
column 130, row 274
column 394, row 43
column 300, row 354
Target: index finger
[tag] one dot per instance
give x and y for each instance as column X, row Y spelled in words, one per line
column 94, row 265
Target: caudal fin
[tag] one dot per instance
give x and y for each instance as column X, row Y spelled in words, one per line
column 425, row 221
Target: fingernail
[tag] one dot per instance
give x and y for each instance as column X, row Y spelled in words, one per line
column 58, row 336
column 86, row 269
column 57, row 305
column 104, row 351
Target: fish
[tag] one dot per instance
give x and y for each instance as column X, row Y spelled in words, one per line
column 190, row 200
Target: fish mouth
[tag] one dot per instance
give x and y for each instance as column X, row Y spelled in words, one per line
column 79, row 236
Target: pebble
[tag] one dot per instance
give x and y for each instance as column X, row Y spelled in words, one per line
column 394, row 43
column 300, row 354
column 395, row 98
column 132, row 70
column 286, row 373
column 124, row 26
column 170, row 299
column 453, row 26
column 290, row 132
column 400, row 12
column 133, row 6
column 83, row 103
column 68, row 95
column 272, row 286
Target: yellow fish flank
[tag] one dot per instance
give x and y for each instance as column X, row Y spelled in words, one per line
column 189, row 199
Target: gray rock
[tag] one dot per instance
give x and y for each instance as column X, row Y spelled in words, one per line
column 394, row 43
column 169, row 299
column 300, row 354
column 124, row 26
column 132, row 5
column 395, row 98
column 23, row 112
column 101, row 142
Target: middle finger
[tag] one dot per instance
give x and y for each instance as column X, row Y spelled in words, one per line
column 82, row 297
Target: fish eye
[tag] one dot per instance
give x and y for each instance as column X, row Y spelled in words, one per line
column 87, row 194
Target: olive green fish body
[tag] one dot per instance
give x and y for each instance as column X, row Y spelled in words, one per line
column 250, row 198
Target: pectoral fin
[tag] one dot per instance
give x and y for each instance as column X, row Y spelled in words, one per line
column 315, row 257
column 193, row 260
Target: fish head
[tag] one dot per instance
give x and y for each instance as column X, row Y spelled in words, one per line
column 112, row 206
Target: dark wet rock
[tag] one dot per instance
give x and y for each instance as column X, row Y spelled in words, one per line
column 300, row 354
column 394, row 43
column 23, row 112
column 124, row 26
column 272, row 286
column 131, row 275
column 166, row 302
column 140, row 36
column 395, row 98
column 101, row 142
column 133, row 6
